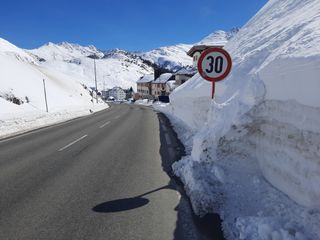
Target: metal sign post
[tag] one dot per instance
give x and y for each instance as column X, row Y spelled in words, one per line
column 213, row 89
column 214, row 65
column 45, row 94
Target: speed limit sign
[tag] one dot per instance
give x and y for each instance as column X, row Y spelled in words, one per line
column 214, row 65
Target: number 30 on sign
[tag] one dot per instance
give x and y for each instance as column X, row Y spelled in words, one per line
column 214, row 65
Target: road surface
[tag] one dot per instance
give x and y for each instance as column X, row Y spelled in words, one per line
column 104, row 176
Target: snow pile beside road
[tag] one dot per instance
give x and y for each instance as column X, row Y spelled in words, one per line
column 256, row 148
column 145, row 102
column 16, row 123
column 22, row 102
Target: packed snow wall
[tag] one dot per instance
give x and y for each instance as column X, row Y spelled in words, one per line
column 271, row 97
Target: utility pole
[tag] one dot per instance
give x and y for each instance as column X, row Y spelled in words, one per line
column 95, row 77
column 45, row 94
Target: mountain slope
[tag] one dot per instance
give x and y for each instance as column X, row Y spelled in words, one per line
column 175, row 57
column 22, row 100
column 219, row 37
column 114, row 68
column 117, row 67
column 22, row 75
column 8, row 49
column 170, row 57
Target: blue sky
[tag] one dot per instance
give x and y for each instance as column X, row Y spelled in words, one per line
column 135, row 25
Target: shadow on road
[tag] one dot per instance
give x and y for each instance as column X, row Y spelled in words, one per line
column 126, row 204
column 120, row 205
column 188, row 225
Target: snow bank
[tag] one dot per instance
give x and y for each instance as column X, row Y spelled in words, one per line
column 145, row 102
column 280, row 47
column 262, row 132
column 19, row 122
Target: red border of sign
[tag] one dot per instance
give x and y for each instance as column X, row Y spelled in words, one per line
column 209, row 50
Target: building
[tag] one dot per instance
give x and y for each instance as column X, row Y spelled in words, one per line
column 151, row 86
column 159, row 87
column 196, row 51
column 117, row 93
column 144, row 88
column 184, row 74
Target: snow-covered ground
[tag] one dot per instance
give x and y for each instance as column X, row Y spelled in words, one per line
column 144, row 102
column 15, row 123
column 253, row 154
column 22, row 102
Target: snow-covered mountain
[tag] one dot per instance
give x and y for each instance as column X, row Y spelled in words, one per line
column 22, row 101
column 219, row 37
column 8, row 49
column 170, row 57
column 113, row 68
column 64, row 51
column 174, row 57
column 21, row 78
column 117, row 67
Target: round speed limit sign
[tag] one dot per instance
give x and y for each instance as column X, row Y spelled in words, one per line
column 214, row 64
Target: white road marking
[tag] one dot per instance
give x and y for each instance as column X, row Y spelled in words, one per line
column 117, row 117
column 26, row 132
column 103, row 125
column 75, row 141
column 166, row 135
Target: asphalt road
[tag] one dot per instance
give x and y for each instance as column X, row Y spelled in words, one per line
column 104, row 176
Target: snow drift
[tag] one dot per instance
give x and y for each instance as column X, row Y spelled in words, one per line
column 264, row 124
